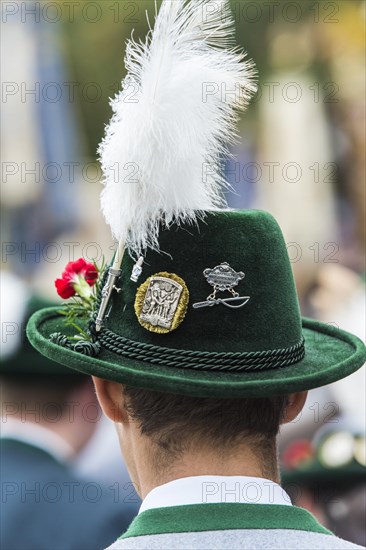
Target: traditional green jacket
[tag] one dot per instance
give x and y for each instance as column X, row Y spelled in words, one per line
column 228, row 526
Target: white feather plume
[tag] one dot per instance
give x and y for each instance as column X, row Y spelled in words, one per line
column 162, row 153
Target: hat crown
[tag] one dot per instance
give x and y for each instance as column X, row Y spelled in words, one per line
column 251, row 242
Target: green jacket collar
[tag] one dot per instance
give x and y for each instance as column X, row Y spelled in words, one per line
column 222, row 516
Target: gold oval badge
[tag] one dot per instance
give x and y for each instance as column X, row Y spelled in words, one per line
column 161, row 302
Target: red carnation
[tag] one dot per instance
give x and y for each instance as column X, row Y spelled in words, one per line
column 78, row 278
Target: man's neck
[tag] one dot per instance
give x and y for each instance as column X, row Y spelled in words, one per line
column 239, row 462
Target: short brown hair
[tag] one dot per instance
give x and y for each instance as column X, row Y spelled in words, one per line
column 173, row 422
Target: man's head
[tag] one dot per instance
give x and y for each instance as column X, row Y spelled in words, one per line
column 165, row 436
column 64, row 404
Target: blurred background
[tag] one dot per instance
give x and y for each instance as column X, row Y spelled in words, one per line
column 300, row 155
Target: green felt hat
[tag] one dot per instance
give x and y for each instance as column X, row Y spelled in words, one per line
column 214, row 313
column 24, row 359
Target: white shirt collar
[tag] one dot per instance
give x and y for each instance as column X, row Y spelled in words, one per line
column 215, row 489
column 37, row 436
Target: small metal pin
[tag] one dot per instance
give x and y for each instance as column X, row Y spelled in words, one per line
column 224, row 301
column 223, row 278
column 113, row 275
column 137, row 269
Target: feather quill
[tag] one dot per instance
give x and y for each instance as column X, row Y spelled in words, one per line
column 173, row 120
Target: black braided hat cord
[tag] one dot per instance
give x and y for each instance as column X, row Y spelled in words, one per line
column 202, row 360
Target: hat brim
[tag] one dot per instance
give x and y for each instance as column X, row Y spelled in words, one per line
column 330, row 354
column 318, row 475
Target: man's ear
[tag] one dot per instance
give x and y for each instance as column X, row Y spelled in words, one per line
column 111, row 399
column 295, row 404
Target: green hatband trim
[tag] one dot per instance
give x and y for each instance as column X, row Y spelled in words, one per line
column 222, row 516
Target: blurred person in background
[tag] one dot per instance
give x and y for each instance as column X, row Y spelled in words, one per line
column 49, row 414
column 42, row 193
column 38, row 202
column 338, row 298
column 327, row 476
